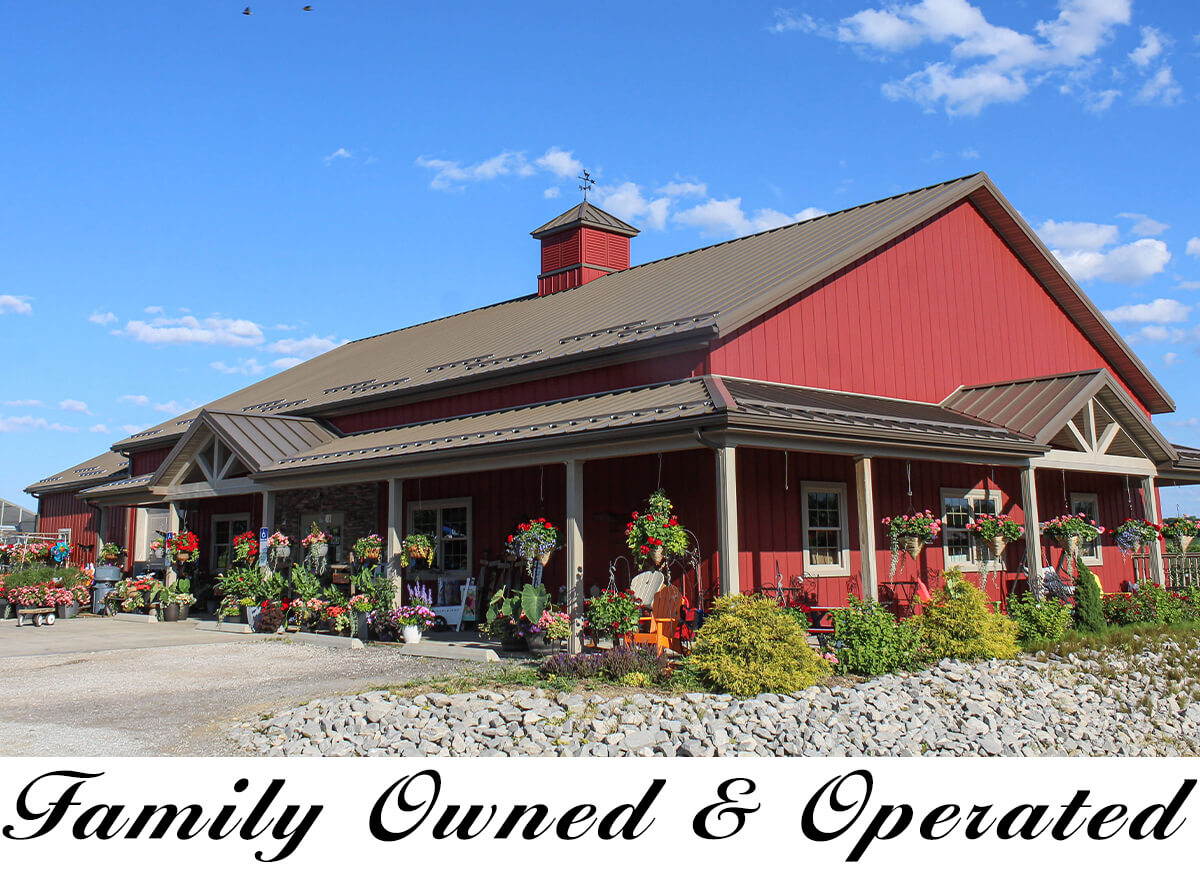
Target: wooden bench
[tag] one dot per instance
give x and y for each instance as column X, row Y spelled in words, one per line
column 36, row 616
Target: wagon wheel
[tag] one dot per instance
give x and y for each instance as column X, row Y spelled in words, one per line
column 20, row 620
column 440, row 625
column 37, row 620
column 50, row 620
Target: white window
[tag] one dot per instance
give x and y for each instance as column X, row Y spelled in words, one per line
column 150, row 524
column 1089, row 504
column 224, row 529
column 823, row 526
column 959, row 546
column 448, row 525
column 331, row 523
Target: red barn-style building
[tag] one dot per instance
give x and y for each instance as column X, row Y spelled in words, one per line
column 788, row 389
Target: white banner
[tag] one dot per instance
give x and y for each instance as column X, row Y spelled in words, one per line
column 594, row 814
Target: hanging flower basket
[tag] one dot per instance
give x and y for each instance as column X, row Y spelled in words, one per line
column 656, row 533
column 544, row 557
column 1134, row 535
column 1069, row 532
column 996, row 546
column 1181, row 531
column 995, row 532
column 911, row 545
column 533, row 542
column 909, row 534
column 415, row 546
column 656, row 555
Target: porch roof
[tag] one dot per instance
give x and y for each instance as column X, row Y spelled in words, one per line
column 1185, row 470
column 102, row 468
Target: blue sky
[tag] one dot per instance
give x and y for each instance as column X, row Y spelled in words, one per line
column 194, row 198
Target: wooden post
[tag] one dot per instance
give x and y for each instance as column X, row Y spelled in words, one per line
column 573, row 536
column 1033, row 530
column 1150, row 502
column 268, row 511
column 101, row 532
column 727, row 510
column 865, row 487
column 395, row 527
column 172, row 527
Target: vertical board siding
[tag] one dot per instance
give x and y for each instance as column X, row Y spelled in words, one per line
column 61, row 511
column 944, row 305
column 146, row 462
column 624, row 375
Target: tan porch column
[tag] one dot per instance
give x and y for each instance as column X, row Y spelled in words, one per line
column 172, row 527
column 1150, row 502
column 395, row 526
column 727, row 517
column 865, row 486
column 573, row 548
column 1033, row 530
column 268, row 511
column 101, row 532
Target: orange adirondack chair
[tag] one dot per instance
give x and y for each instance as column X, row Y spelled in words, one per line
column 658, row 628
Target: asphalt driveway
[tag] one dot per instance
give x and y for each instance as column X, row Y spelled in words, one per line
column 100, row 687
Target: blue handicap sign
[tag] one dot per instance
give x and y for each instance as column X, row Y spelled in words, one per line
column 264, row 533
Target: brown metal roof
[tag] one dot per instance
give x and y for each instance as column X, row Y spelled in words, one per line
column 1039, row 408
column 139, row 485
column 692, row 296
column 878, row 417
column 600, row 412
column 585, row 215
column 98, row 469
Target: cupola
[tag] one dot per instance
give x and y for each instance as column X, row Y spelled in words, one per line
column 581, row 244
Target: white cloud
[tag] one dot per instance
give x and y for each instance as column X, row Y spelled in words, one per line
column 154, row 310
column 726, row 217
column 551, row 193
column 450, row 175
column 286, row 362
column 1078, row 235
column 627, row 202
column 985, row 63
column 1158, row 333
column 968, row 154
column 562, row 163
column 131, row 428
column 1170, row 358
column 24, row 403
column 98, row 428
column 1160, row 311
column 340, row 154
column 1189, row 286
column 681, row 188
column 786, row 21
column 1160, row 88
column 27, row 423
column 1193, row 246
column 1100, row 101
column 74, row 406
column 102, row 318
column 1128, row 264
column 173, row 407
column 1152, row 45
column 15, row 305
column 244, row 366
column 1144, row 225
column 310, row 346
column 135, row 399
column 189, row 330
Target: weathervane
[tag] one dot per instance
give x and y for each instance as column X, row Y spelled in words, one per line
column 587, row 184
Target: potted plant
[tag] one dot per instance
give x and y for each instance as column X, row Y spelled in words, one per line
column 182, row 549
column 413, row 620
column 910, row 533
column 310, row 612
column 111, row 556
column 1069, row 532
column 995, row 531
column 550, row 629
column 611, row 614
column 3, row 598
column 245, row 548
column 510, row 617
column 415, row 546
column 1181, row 531
column 533, row 542
column 279, row 548
column 316, row 547
column 655, row 534
column 338, row 618
column 360, row 606
column 369, row 549
column 1133, row 534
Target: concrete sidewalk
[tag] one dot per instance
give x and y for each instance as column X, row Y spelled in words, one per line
column 89, row 634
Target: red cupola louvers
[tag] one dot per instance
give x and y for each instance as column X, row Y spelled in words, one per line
column 581, row 244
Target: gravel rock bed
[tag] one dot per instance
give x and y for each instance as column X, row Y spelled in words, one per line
column 1113, row 703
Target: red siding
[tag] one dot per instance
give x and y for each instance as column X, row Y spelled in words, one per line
column 944, row 305
column 65, row 510
column 573, row 248
column 539, row 390
column 145, row 462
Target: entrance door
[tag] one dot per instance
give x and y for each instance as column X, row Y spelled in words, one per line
column 224, row 529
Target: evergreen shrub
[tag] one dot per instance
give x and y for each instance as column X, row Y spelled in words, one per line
column 749, row 645
column 1089, row 601
column 958, row 624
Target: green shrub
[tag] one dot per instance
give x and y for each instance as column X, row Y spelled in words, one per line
column 748, row 645
column 868, row 640
column 958, row 624
column 1042, row 620
column 1089, row 598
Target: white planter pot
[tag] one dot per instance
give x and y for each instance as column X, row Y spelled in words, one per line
column 412, row 634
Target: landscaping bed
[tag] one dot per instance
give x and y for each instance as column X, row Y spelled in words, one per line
column 1137, row 697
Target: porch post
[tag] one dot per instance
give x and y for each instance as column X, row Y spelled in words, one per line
column 395, row 524
column 865, row 486
column 1033, row 530
column 1150, row 502
column 727, row 517
column 172, row 527
column 268, row 511
column 101, row 531
column 573, row 536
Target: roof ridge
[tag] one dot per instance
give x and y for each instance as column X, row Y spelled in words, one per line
column 1027, row 380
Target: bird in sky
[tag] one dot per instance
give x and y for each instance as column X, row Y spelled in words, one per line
column 308, row 9
column 247, row 11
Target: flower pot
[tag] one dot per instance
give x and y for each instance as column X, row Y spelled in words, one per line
column 280, row 553
column 361, row 625
column 512, row 643
column 320, row 550
column 3, row 607
column 656, row 555
column 107, row 573
column 1184, row 543
column 184, row 611
column 67, row 610
column 997, row 545
column 250, row 616
column 171, row 612
column 544, row 558
column 419, row 552
column 411, row 634
column 911, row 545
column 536, row 642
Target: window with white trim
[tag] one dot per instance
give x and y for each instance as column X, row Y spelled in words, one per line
column 331, row 523
column 448, row 525
column 960, row 548
column 224, row 529
column 823, row 526
column 1089, row 504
